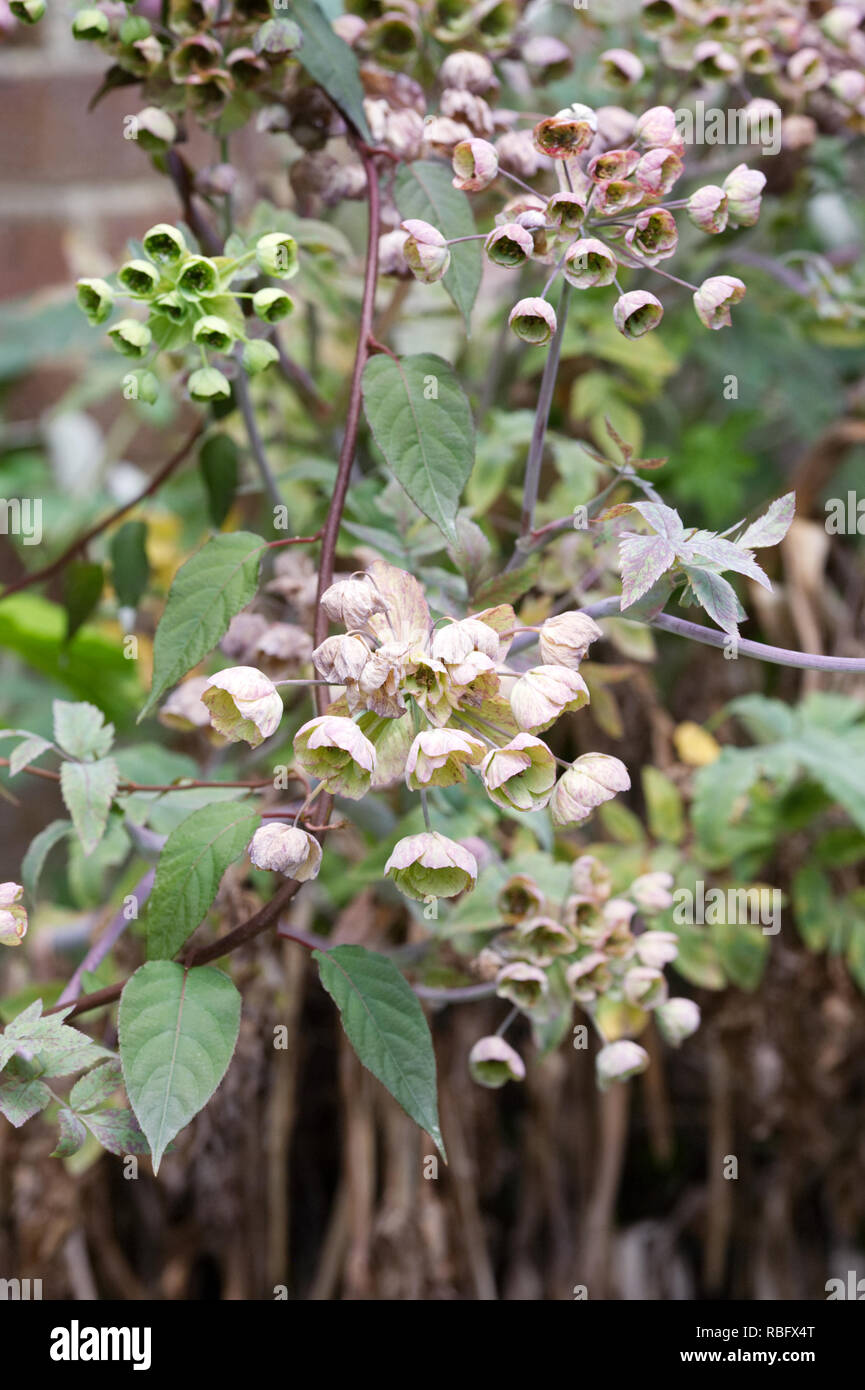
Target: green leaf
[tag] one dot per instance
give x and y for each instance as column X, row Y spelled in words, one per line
column 421, row 422
column 856, row 946
column 697, row 960
column 81, row 731
column 717, row 596
column 385, row 1025
column 621, row 823
column 21, row 1100
column 130, row 567
column 38, row 851
column 72, row 1134
column 743, row 951
column 814, row 906
column 97, row 1086
column 664, row 807
column 328, row 60
column 56, row 1049
column 82, row 590
column 27, row 752
column 772, row 527
column 642, row 561
column 424, row 189
column 506, row 588
column 206, row 594
column 220, row 472
column 178, row 1030
column 118, row 1131
column 190, row 870
column 88, row 790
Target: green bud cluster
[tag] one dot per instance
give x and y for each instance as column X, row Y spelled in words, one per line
column 190, row 303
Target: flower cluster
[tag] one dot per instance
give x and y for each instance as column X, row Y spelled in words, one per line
column 798, row 56
column 594, row 950
column 612, row 210
column 190, row 302
column 437, row 701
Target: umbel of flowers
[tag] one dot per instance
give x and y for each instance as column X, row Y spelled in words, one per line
column 430, row 702
column 614, row 209
column 191, row 302
column 595, row 950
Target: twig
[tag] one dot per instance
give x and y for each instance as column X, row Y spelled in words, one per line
column 256, row 444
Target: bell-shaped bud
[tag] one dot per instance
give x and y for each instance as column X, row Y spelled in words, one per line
column 651, row 892
column 658, row 171
column 521, row 775
column 619, row 1061
column 644, row 986
column 544, row 693
column 533, row 320
column 475, row 165
column 28, row 11
column 808, row 69
column 798, row 132
column 352, row 602
column 430, row 865
column 591, row 879
column 198, row 277
column 707, row 208
column 616, row 196
column 589, row 977
column 593, row 779
column 341, row 659
column 184, row 708
column 90, row 25
column 613, row 164
column 258, row 355
column 130, row 337
column 146, row 387
column 138, row 277
column 426, row 251
column 493, row 1062
column 287, row 850
column 439, row 758
column 652, row 236
column 637, row 312
column 96, row 298
column 543, row 938
column 468, row 72
column 276, row 255
column 164, row 244
column 744, row 189
column 271, row 305
column 244, row 705
column 335, row 751
column 521, row 897
column 565, row 638
column 155, row 131
column 677, row 1020
column 566, row 211
column 567, row 133
column 656, row 127
column 509, row 246
column 620, row 67
column 589, row 264
column 657, row 948
column 208, row 384
column 714, row 299
column 13, row 917
column 525, row 985
column 715, row 63
column 213, row 332
column 658, row 16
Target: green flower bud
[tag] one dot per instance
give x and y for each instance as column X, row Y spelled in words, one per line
column 130, row 337
column 164, row 243
column 155, row 129
column 198, row 277
column 28, row 11
column 139, row 277
column 430, row 865
column 258, row 355
column 134, row 29
column 277, row 39
column 272, row 305
column 142, row 386
column 96, row 298
column 213, row 332
column 89, row 25
column 172, row 305
column 244, row 705
column 276, row 254
column 493, row 1062
column 208, row 384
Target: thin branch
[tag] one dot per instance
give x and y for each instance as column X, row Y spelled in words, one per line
column 49, row 776
column 256, row 443
column 349, row 442
column 48, row 571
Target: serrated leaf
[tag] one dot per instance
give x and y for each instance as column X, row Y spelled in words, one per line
column 130, row 567
column 427, row 439
column 220, row 471
column 52, row 1045
column 705, row 546
column 661, row 518
column 207, row 592
column 38, row 851
column 642, row 560
column 80, row 729
column 772, row 527
column 190, row 870
column 88, row 791
column 72, row 1134
column 27, row 752
column 424, row 190
column 177, row 1030
column 97, row 1086
column 82, row 589
column 716, row 596
column 118, row 1131
column 328, row 60
column 386, row 1026
column 21, row 1100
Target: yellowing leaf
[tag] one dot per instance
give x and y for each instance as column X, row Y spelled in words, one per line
column 694, row 745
